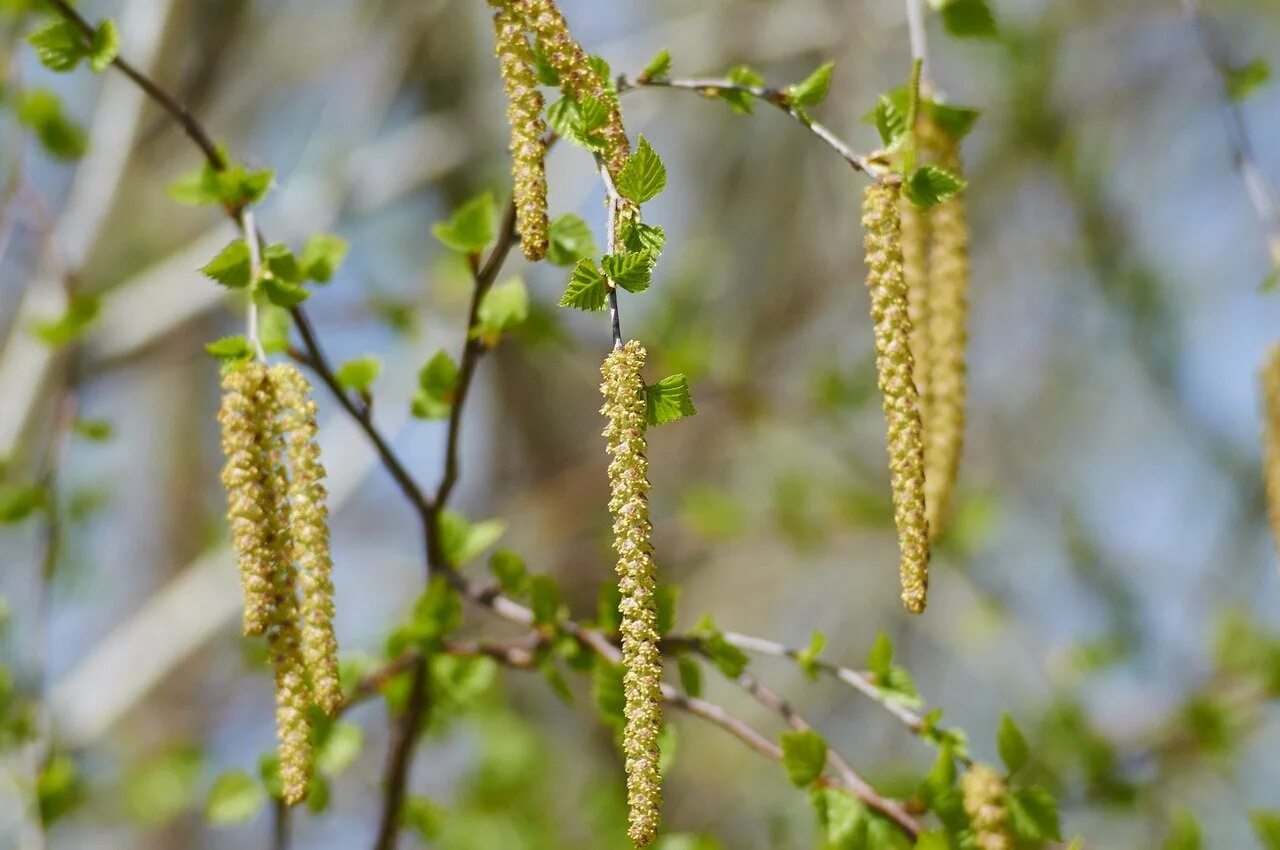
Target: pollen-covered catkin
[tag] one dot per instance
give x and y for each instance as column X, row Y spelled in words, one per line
column 915, row 273
column 245, row 444
column 626, row 409
column 577, row 77
column 882, row 226
column 947, row 311
column 1271, row 437
column 985, row 800
column 524, row 114
column 309, row 526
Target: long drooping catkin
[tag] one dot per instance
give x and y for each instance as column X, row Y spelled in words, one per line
column 882, row 226
column 524, row 114
column 245, row 436
column 985, row 801
column 626, row 409
column 948, row 310
column 1271, row 436
column 915, row 273
column 309, row 524
column 577, row 77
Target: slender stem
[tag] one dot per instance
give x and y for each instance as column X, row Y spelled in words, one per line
column 248, row 225
column 614, row 201
column 279, row 825
column 916, row 32
column 404, row 741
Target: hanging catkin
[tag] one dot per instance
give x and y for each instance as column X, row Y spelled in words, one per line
column 626, row 409
column 245, row 436
column 309, row 524
column 578, row 79
column 1271, row 436
column 524, row 114
column 915, row 274
column 882, row 226
column 985, row 801
column 947, row 311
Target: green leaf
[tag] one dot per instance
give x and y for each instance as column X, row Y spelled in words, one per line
column 437, row 612
column 283, row 294
column 322, row 255
column 844, row 819
column 570, row 240
column 231, row 267
column 462, row 541
column 59, row 788
column 544, row 599
column 804, row 755
column 437, row 387
column 665, row 598
column 690, row 675
column 230, row 349
column 955, row 121
column 359, row 373
column 279, row 261
column 608, row 618
column 658, row 67
column 104, row 46
column 933, row 840
column 608, row 693
column 71, row 325
column 880, row 658
column 890, row 120
column 510, row 571
column 930, row 185
column 644, row 237
column 1184, row 834
column 235, row 798
column 41, row 110
column 592, row 114
column 566, row 117
column 669, row 400
column 59, row 45
column 807, row 658
column 813, row 89
column 729, row 659
column 1266, row 825
column 739, row 101
column 1243, row 80
column 162, row 788
column 472, row 227
column 94, row 430
column 339, row 748
column 968, row 18
column 644, row 176
column 423, row 817
column 504, row 307
column 19, row 501
column 587, row 289
column 632, row 270
column 1033, row 813
column 1013, row 747
column 600, row 66
column 273, row 328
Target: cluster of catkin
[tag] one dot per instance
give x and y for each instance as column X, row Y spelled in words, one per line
column 626, row 411
column 985, row 799
column 279, row 527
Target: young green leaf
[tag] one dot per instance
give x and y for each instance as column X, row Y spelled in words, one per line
column 94, row 430
column 509, row 569
column 930, row 185
column 1244, row 80
column 1033, row 814
column 587, row 289
column 235, row 798
column 41, row 110
column 729, row 659
column 669, row 400
column 608, row 692
column 690, row 675
column 804, row 755
column 955, row 121
column 880, row 658
column 890, row 120
column 968, row 18
column 322, row 255
column 632, row 270
column 1013, row 747
column 644, row 176
column 813, row 89
column 19, row 501
column 231, row 267
column 59, row 45
column 273, row 328
column 1184, row 834
column 592, row 113
column 807, row 658
column 281, row 263
column 544, row 599
column 566, row 117
column 644, row 237
column 360, row 373
column 504, row 307
column 104, row 47
column 571, row 240
column 658, row 67
column 230, row 349
column 844, row 819
column 437, row 387
column 339, row 747
column 1266, row 825
column 282, row 293
column 71, row 325
column 471, row 227
column 740, row 101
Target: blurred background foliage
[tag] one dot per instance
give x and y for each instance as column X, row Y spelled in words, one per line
column 1109, row 580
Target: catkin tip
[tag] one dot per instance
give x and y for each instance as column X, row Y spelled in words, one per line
column 626, row 412
column 894, row 365
column 985, row 800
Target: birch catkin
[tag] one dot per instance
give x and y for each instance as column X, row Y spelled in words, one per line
column 915, row 274
column 309, row 523
column 626, row 409
column 947, row 311
column 985, row 799
column 524, row 114
column 245, row 436
column 882, row 226
column 1271, row 437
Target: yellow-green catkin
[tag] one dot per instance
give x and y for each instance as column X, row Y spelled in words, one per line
column 947, row 311
column 915, row 273
column 1271, row 437
column 626, row 409
column 883, row 240
column 309, row 526
column 245, row 445
column 577, row 77
column 524, row 114
column 985, row 800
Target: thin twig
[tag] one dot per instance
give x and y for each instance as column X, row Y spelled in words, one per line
column 613, row 200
